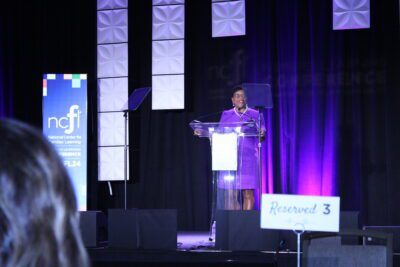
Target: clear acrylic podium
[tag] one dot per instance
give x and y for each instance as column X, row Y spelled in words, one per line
column 229, row 161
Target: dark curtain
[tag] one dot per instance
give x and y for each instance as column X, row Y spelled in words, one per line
column 333, row 129
column 44, row 37
column 6, row 93
column 38, row 37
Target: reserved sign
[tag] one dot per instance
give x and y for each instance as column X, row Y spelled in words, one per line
column 297, row 212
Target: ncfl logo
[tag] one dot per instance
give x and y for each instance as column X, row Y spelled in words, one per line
column 67, row 122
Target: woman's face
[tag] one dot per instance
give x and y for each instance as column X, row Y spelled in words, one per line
column 239, row 99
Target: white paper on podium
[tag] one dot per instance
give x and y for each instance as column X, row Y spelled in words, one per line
column 224, row 151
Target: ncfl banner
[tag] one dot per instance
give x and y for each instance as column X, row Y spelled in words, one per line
column 65, row 125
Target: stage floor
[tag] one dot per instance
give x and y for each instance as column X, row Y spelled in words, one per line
column 194, row 249
column 194, row 241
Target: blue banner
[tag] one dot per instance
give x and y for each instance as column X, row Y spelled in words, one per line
column 65, row 125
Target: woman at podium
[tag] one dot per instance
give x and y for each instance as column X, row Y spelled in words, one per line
column 239, row 189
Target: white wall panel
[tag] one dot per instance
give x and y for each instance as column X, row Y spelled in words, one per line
column 168, row 2
column 112, row 26
column 112, row 94
column 168, row 92
column 111, row 163
column 112, row 60
column 168, row 57
column 228, row 19
column 351, row 14
column 111, row 4
column 111, row 130
column 168, row 22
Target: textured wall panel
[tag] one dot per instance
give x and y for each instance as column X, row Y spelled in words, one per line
column 351, row 14
column 168, row 92
column 168, row 2
column 110, row 4
column 168, row 22
column 111, row 129
column 111, row 163
column 112, row 94
column 112, row 26
column 168, row 57
column 228, row 19
column 112, row 60
column 168, row 54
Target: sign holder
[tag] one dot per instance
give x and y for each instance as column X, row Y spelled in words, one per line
column 298, row 233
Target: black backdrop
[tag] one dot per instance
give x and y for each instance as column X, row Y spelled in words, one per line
column 170, row 168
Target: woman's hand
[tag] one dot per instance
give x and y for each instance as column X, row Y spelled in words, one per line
column 262, row 135
column 197, row 132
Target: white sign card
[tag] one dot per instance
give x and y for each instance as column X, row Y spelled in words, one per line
column 298, row 212
column 224, row 151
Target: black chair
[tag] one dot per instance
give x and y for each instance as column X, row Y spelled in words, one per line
column 320, row 249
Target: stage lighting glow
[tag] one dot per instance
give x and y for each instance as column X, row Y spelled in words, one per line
column 229, row 178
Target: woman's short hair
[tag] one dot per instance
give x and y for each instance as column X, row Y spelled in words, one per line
column 237, row 88
column 39, row 221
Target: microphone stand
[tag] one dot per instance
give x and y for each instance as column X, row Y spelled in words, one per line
column 125, row 154
column 259, row 153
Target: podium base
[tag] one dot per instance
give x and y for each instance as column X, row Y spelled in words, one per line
column 240, row 230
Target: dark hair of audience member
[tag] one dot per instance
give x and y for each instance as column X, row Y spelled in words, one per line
column 39, row 221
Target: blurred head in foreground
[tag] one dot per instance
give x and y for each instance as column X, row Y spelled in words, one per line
column 39, row 221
